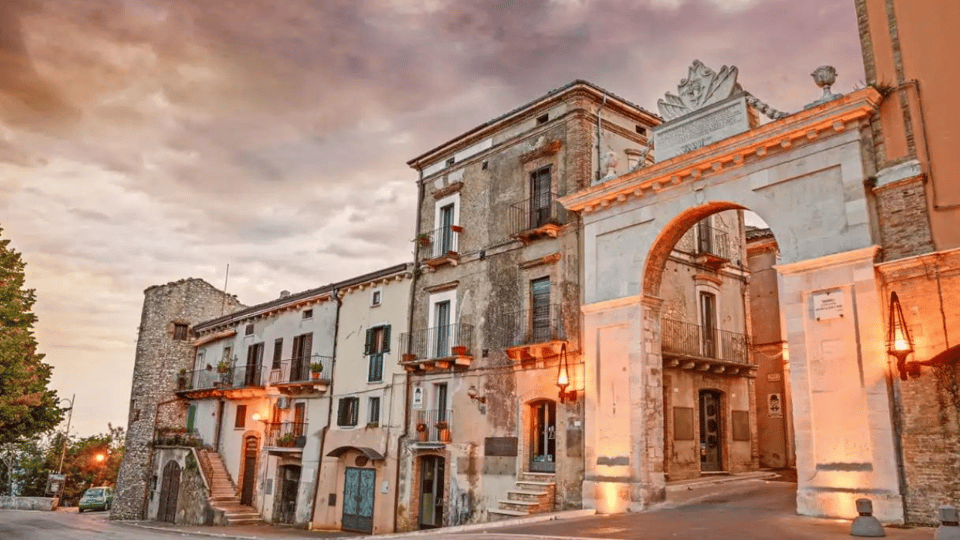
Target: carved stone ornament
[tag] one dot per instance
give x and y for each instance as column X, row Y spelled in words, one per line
column 703, row 86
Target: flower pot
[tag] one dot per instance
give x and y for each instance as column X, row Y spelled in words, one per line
column 315, row 375
column 456, row 228
column 459, row 350
column 444, row 434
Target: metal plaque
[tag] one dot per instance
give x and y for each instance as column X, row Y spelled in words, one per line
column 683, row 423
column 500, row 446
column 741, row 425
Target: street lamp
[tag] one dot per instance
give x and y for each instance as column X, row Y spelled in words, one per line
column 899, row 344
column 563, row 377
column 66, row 432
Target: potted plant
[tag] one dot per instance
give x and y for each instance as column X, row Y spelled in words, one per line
column 456, row 228
column 459, row 350
column 315, row 369
column 443, row 431
column 423, row 239
column 182, row 379
column 421, row 432
column 286, row 440
column 223, row 366
column 372, row 425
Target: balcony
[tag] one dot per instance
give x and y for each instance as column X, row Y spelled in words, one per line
column 286, row 436
column 537, row 217
column 712, row 248
column 432, row 428
column 441, row 347
column 177, row 436
column 295, row 376
column 236, row 381
column 694, row 347
column 440, row 247
column 537, row 333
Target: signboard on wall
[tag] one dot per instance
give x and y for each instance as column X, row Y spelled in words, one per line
column 774, row 406
column 418, row 398
column 828, row 305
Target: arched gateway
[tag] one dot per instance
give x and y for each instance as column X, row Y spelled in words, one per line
column 804, row 175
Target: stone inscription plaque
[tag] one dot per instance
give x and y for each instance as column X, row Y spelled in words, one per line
column 701, row 128
column 500, row 446
column 741, row 425
column 574, row 443
column 828, row 305
column 683, row 423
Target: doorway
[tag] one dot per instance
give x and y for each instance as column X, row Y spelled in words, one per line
column 169, row 492
column 249, row 470
column 288, row 484
column 543, row 431
column 359, row 487
column 431, row 492
column 711, row 431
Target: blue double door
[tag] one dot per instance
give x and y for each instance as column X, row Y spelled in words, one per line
column 359, row 487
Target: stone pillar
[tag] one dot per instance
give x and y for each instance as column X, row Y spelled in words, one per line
column 842, row 418
column 623, row 405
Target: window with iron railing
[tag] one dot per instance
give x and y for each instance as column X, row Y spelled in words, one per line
column 678, row 338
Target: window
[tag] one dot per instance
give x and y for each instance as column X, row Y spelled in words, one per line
column 191, row 416
column 300, row 362
column 542, row 119
column 373, row 410
column 540, row 310
column 299, row 418
column 277, row 352
column 254, row 363
column 451, row 161
column 447, row 243
column 307, row 314
column 441, row 344
column 240, row 421
column 708, row 319
column 227, row 353
column 347, row 411
column 249, row 330
column 198, row 363
column 641, row 130
column 179, row 332
column 376, row 297
column 484, row 165
column 440, row 400
column 377, row 343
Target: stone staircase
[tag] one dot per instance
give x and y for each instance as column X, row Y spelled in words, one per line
column 536, row 493
column 223, row 494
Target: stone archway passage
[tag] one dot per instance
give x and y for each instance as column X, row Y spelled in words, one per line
column 169, row 492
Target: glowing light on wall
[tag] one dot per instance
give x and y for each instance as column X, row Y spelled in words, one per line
column 612, row 498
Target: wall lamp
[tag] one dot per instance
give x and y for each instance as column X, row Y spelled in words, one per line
column 563, row 377
column 474, row 395
column 900, row 345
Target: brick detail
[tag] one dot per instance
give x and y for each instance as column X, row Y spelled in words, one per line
column 903, row 220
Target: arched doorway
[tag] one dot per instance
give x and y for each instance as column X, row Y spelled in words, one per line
column 169, row 492
column 285, row 503
column 432, row 492
column 249, row 471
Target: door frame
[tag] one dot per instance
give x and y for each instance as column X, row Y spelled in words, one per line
column 533, row 433
column 169, row 490
column 373, row 498
column 242, row 480
column 439, row 486
column 721, row 427
column 279, row 492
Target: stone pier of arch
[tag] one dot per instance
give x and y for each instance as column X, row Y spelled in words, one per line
column 804, row 175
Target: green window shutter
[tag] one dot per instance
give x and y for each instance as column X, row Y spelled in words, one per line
column 369, row 342
column 386, row 338
column 191, row 416
column 341, row 412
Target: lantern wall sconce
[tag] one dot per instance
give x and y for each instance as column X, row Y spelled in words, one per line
column 563, row 378
column 899, row 344
column 474, row 395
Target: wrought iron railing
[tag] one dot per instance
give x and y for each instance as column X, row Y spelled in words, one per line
column 294, row 370
column 433, row 425
column 438, row 342
column 536, row 325
column 177, row 436
column 712, row 241
column 535, row 212
column 202, row 379
column 287, row 434
column 693, row 340
column 440, row 242
column 244, row 376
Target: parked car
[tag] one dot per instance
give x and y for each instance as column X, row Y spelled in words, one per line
column 97, row 498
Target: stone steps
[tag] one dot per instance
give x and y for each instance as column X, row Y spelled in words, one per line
column 535, row 493
column 223, row 494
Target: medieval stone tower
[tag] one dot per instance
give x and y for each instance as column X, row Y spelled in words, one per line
column 163, row 349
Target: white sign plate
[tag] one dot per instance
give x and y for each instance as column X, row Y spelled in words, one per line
column 828, row 305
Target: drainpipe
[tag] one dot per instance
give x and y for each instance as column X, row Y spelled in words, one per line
column 599, row 162
column 404, row 433
column 333, row 380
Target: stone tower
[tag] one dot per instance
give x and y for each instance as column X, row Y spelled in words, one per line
column 163, row 349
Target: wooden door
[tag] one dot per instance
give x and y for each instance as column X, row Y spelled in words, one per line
column 540, row 197
column 288, row 485
column 431, row 492
column 249, row 470
column 711, row 432
column 543, row 447
column 359, row 488
column 169, row 492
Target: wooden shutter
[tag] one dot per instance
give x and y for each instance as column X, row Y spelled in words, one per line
column 241, row 419
column 355, row 410
column 342, row 411
column 307, row 346
column 386, row 339
column 369, row 342
column 191, row 416
column 277, row 351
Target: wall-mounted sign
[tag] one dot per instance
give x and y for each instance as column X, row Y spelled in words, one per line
column 774, row 377
column 828, row 305
column 774, row 406
column 418, row 398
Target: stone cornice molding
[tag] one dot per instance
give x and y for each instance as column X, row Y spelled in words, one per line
column 837, row 259
column 612, row 304
column 917, row 261
column 540, row 261
column 808, row 125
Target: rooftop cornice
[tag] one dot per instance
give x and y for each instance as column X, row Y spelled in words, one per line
column 807, row 125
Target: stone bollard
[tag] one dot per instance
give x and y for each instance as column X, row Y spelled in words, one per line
column 949, row 528
column 865, row 524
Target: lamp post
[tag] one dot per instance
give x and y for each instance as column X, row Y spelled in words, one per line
column 66, row 433
column 899, row 344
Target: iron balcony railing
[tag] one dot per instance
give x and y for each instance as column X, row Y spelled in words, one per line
column 536, row 325
column 244, row 376
column 438, row 342
column 287, row 434
column 433, row 425
column 535, row 212
column 202, row 379
column 440, row 242
column 687, row 339
column 712, row 241
column 177, row 436
column 295, row 370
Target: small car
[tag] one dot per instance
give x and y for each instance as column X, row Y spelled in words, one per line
column 97, row 498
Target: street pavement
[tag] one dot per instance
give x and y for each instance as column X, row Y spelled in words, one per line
column 751, row 509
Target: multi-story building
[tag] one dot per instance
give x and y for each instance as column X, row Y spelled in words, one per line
column 496, row 308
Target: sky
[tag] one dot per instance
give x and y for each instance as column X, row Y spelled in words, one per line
column 144, row 141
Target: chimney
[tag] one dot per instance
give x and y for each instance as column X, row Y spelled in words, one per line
column 284, row 294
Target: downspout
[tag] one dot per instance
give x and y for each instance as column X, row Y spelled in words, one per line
column 323, row 433
column 404, row 433
column 599, row 174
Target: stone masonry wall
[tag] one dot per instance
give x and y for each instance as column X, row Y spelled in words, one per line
column 903, row 220
column 929, row 405
column 159, row 359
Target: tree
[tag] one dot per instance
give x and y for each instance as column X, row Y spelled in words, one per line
column 27, row 406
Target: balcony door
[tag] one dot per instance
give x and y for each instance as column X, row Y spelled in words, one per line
column 540, row 197
column 543, row 431
column 704, row 238
column 299, row 364
column 708, row 322
column 442, row 331
column 431, row 492
column 254, row 363
column 540, row 310
column 445, row 244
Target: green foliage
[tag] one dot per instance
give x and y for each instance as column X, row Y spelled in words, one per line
column 27, row 406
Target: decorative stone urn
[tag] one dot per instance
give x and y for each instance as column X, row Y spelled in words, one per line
column 825, row 76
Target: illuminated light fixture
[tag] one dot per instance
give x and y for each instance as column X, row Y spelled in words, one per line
column 563, row 377
column 256, row 417
column 474, row 395
column 899, row 344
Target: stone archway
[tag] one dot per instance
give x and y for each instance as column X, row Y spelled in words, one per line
column 804, row 176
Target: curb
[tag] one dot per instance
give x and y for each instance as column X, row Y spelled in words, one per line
column 720, row 480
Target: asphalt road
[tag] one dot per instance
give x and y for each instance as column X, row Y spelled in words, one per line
column 27, row 525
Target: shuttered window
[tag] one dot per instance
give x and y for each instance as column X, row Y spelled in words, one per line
column 373, row 406
column 241, row 420
column 347, row 411
column 540, row 310
column 277, row 352
column 377, row 343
